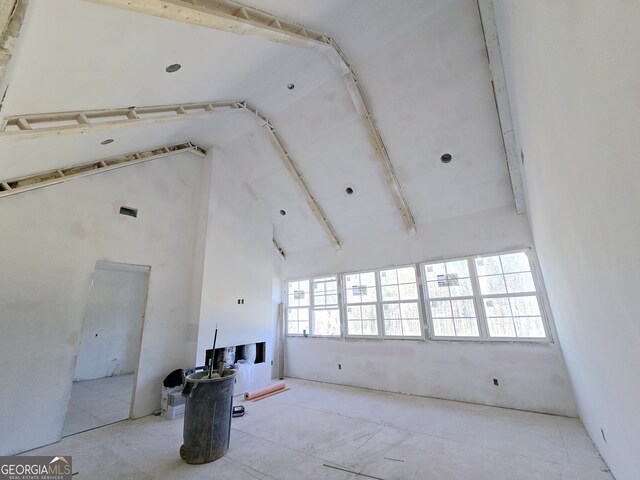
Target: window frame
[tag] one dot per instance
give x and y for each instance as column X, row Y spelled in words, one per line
column 311, row 306
column 473, row 297
column 481, row 315
column 424, row 308
column 379, row 305
column 287, row 307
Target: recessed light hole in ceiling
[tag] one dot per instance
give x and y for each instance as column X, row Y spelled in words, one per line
column 446, row 158
column 174, row 67
column 291, row 86
column 107, row 141
column 349, row 190
column 283, row 213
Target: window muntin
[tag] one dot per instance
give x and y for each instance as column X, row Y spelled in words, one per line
column 400, row 304
column 361, row 303
column 326, row 311
column 450, row 299
column 509, row 297
column 490, row 297
column 298, row 303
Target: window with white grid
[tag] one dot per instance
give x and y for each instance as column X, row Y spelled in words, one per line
column 400, row 302
column 509, row 297
column 360, row 300
column 326, row 311
column 450, row 299
column 298, row 303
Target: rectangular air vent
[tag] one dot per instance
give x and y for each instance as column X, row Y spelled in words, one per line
column 128, row 211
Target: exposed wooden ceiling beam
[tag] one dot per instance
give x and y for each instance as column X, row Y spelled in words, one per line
column 25, row 183
column 11, row 18
column 233, row 17
column 293, row 170
column 46, row 124
column 499, row 83
column 81, row 121
column 225, row 15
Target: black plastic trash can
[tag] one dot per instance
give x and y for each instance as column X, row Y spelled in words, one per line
column 207, row 416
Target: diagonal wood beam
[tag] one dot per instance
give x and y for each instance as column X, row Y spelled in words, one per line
column 81, row 121
column 297, row 177
column 499, row 83
column 11, row 18
column 233, row 17
column 47, row 178
column 38, row 125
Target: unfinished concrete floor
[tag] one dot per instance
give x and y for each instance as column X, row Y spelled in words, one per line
column 381, row 435
column 98, row 402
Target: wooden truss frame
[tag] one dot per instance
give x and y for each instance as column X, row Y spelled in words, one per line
column 38, row 125
column 25, row 183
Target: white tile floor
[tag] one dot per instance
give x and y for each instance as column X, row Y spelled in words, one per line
column 294, row 434
column 98, row 402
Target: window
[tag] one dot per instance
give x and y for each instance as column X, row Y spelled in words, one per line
column 361, row 299
column 315, row 311
column 451, row 299
column 298, row 307
column 400, row 307
column 383, row 302
column 326, row 313
column 509, row 298
column 486, row 297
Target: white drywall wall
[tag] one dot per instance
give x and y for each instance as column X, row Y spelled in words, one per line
column 112, row 326
column 238, row 264
column 531, row 376
column 48, row 257
column 572, row 73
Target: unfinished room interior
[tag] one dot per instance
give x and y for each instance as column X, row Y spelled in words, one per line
column 411, row 221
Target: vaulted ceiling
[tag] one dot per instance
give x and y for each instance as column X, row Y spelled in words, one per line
column 422, row 66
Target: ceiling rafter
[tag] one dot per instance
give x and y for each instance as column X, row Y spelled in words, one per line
column 499, row 84
column 233, row 17
column 293, row 170
column 25, row 183
column 11, row 18
column 81, row 121
column 45, row 124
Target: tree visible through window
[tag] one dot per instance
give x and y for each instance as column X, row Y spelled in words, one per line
column 326, row 312
column 451, row 303
column 361, row 300
column 400, row 308
column 484, row 297
column 509, row 296
column 298, row 307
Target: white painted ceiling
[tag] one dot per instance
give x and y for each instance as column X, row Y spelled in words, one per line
column 421, row 63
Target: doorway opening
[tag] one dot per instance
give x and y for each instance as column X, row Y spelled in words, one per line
column 109, row 351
